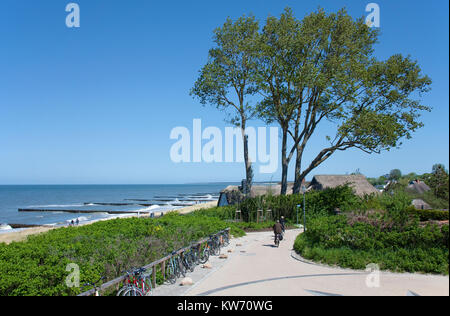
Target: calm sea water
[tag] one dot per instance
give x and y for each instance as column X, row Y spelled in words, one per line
column 79, row 197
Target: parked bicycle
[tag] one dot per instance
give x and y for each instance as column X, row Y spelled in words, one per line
column 204, row 254
column 224, row 238
column 214, row 245
column 136, row 284
column 190, row 258
column 175, row 268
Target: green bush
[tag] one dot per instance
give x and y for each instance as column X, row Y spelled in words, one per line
column 317, row 203
column 337, row 240
column 429, row 215
column 38, row 265
column 222, row 212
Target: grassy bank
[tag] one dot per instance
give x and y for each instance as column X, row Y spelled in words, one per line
column 38, row 266
column 356, row 242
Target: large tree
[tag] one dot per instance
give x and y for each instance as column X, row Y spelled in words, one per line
column 279, row 68
column 323, row 69
column 227, row 81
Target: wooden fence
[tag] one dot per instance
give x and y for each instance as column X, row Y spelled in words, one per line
column 152, row 266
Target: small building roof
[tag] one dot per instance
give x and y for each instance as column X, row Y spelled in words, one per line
column 421, row 204
column 258, row 190
column 418, row 186
column 359, row 183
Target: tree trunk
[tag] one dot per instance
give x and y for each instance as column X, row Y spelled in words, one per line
column 248, row 164
column 298, row 167
column 284, row 162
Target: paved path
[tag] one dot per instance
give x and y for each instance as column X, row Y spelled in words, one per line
column 258, row 269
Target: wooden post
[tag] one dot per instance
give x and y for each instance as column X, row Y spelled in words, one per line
column 238, row 215
column 163, row 270
column 154, row 277
column 269, row 212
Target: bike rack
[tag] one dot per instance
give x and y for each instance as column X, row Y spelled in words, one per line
column 161, row 262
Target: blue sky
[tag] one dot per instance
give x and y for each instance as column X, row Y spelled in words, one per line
column 95, row 105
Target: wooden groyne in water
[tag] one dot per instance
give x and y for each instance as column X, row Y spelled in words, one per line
column 117, row 204
column 82, row 211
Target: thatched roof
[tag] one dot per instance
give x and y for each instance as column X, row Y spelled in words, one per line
column 421, row 204
column 418, row 186
column 258, row 190
column 359, row 183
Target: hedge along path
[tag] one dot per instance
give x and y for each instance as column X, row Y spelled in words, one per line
column 152, row 266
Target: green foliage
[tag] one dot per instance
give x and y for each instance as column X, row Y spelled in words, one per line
column 228, row 77
column 325, row 61
column 37, row 266
column 394, row 202
column 437, row 180
column 395, row 174
column 317, row 203
column 429, row 215
column 339, row 241
column 222, row 212
column 252, row 226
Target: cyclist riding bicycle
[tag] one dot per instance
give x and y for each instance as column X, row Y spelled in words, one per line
column 278, row 230
column 283, row 223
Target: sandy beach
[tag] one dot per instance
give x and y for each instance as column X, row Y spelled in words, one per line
column 22, row 235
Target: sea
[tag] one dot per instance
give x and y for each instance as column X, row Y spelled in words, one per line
column 48, row 203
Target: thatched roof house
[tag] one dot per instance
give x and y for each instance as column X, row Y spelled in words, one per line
column 421, row 204
column 418, row 186
column 231, row 194
column 359, row 183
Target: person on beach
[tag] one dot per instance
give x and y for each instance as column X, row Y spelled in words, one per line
column 77, row 221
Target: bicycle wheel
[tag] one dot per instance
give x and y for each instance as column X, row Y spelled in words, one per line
column 226, row 240
column 146, row 285
column 277, row 241
column 198, row 254
column 217, row 247
column 190, row 262
column 181, row 268
column 170, row 273
column 133, row 291
column 123, row 290
column 204, row 257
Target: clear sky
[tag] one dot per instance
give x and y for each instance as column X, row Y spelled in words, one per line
column 96, row 104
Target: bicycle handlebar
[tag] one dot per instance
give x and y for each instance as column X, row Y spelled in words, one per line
column 94, row 283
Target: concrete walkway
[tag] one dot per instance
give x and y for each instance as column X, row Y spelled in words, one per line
column 257, row 268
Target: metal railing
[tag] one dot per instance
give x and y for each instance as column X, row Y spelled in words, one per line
column 153, row 265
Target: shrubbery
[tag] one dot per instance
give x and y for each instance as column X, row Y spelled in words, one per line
column 318, row 203
column 355, row 243
column 38, row 266
column 429, row 215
